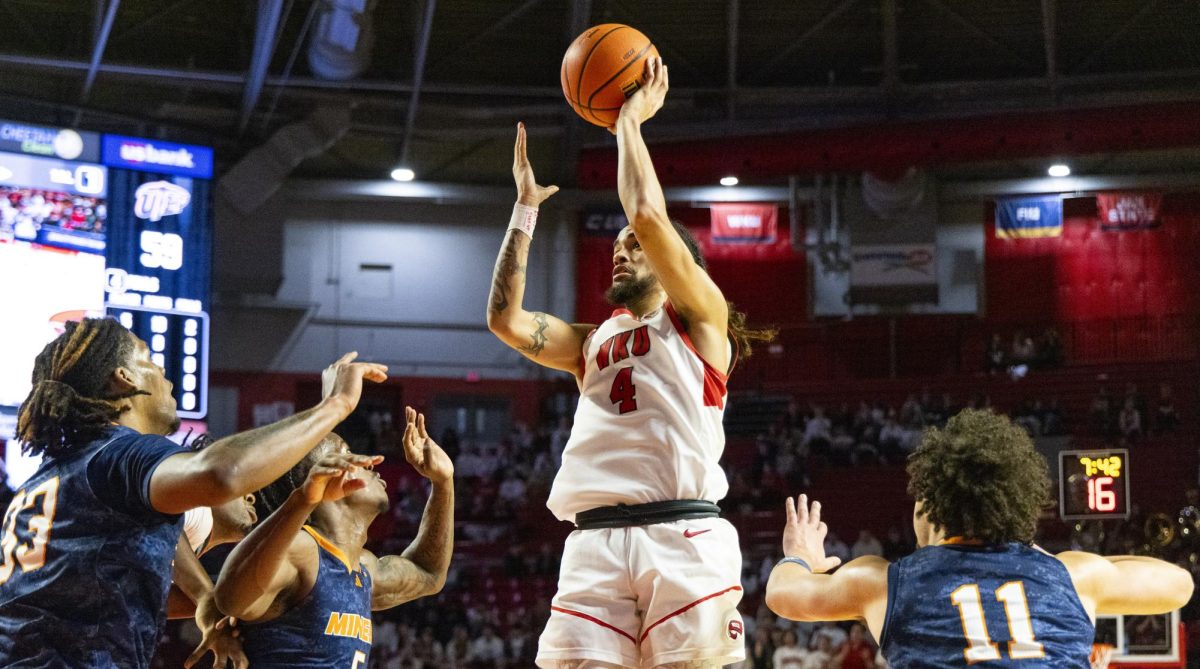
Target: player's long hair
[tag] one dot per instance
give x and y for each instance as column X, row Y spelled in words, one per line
column 741, row 333
column 68, row 404
column 275, row 494
column 980, row 478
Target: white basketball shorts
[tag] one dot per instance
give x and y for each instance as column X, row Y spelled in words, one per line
column 648, row 595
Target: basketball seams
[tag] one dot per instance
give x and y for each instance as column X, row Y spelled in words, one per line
column 636, row 59
column 583, row 65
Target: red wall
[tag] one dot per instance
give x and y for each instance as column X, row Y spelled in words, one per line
column 767, row 281
column 1089, row 274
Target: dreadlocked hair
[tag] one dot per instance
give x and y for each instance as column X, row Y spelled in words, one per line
column 741, row 333
column 67, row 405
column 270, row 498
column 980, row 478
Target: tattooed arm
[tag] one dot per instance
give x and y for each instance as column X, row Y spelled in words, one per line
column 542, row 338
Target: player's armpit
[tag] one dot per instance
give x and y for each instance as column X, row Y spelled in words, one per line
column 856, row 591
column 396, row 580
column 1127, row 584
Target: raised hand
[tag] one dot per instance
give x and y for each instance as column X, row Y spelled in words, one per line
column 649, row 98
column 804, row 535
column 333, row 477
column 344, row 378
column 422, row 452
column 529, row 193
column 218, row 635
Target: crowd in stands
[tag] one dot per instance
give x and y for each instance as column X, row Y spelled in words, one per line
column 1129, row 416
column 1024, row 353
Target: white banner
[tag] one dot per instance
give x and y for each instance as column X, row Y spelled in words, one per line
column 893, row 273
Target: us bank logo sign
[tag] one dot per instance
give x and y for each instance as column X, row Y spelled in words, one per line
column 156, row 199
column 147, row 155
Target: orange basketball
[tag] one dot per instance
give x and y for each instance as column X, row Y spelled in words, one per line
column 602, row 67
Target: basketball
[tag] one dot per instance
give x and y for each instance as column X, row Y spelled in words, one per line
column 602, row 67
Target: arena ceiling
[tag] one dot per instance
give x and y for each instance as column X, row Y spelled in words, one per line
column 445, row 80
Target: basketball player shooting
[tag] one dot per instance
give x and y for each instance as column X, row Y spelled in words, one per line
column 651, row 576
column 976, row 590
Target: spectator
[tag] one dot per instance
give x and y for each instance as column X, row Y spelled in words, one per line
column 995, row 359
column 894, row 545
column 866, row 544
column 558, row 440
column 1024, row 351
column 428, row 650
column 859, row 651
column 1052, row 419
column 488, row 649
column 789, row 654
column 1050, row 348
column 821, row 656
column 835, row 546
column 1165, row 418
column 817, row 436
column 1100, row 412
column 761, row 651
column 1130, row 420
column 458, row 650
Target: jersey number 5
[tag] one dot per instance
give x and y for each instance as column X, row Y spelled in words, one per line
column 980, row 647
column 32, row 555
column 624, row 393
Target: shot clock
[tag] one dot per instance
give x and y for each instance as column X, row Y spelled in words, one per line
column 1093, row 484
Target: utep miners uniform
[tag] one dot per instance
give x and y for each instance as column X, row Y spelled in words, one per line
column 652, row 574
column 85, row 561
column 330, row 628
column 1006, row 605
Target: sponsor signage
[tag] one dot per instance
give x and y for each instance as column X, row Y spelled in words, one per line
column 604, row 222
column 54, row 175
column 152, row 155
column 744, row 222
column 893, row 273
column 38, row 140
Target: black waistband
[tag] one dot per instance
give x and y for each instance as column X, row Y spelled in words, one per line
column 630, row 515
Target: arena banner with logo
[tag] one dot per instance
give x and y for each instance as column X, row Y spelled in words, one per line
column 1029, row 217
column 893, row 274
column 744, row 223
column 604, row 221
column 1129, row 210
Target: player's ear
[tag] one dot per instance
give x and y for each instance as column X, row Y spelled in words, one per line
column 121, row 382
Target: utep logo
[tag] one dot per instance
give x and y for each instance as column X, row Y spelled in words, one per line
column 156, row 199
column 616, row 348
column 349, row 625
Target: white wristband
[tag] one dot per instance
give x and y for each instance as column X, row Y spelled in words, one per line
column 524, row 219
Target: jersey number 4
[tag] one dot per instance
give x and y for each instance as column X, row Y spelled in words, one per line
column 980, row 647
column 31, row 555
column 623, row 392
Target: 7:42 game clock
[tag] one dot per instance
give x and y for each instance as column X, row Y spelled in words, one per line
column 1093, row 484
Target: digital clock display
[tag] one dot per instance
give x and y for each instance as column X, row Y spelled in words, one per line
column 1093, row 484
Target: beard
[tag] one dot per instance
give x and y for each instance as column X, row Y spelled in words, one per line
column 629, row 290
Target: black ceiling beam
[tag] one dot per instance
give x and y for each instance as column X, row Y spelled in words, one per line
column 266, row 26
column 410, row 117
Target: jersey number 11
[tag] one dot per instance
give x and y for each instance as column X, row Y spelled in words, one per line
column 980, row 647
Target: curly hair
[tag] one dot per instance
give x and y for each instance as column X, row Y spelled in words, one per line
column 270, row 498
column 980, row 478
column 741, row 333
column 67, row 405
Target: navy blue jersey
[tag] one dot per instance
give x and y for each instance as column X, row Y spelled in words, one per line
column 1004, row 606
column 329, row 628
column 85, row 561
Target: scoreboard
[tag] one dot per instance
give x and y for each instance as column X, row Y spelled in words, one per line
column 95, row 224
column 1093, row 484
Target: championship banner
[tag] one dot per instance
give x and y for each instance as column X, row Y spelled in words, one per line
column 1130, row 210
column 893, row 273
column 1029, row 217
column 744, row 223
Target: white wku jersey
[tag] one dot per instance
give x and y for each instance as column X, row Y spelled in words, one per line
column 648, row 426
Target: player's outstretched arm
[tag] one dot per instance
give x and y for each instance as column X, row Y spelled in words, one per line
column 857, row 591
column 421, row 569
column 275, row 557
column 693, row 293
column 243, row 463
column 544, row 339
column 1127, row 584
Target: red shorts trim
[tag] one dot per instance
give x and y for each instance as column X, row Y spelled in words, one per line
column 684, row 609
column 599, row 622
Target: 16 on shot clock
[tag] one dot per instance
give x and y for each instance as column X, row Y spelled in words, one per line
column 1093, row 484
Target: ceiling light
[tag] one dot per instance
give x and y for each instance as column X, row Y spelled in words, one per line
column 729, row 181
column 403, row 174
column 1059, row 170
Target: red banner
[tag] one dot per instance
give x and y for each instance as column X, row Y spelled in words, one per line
column 1132, row 210
column 740, row 223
